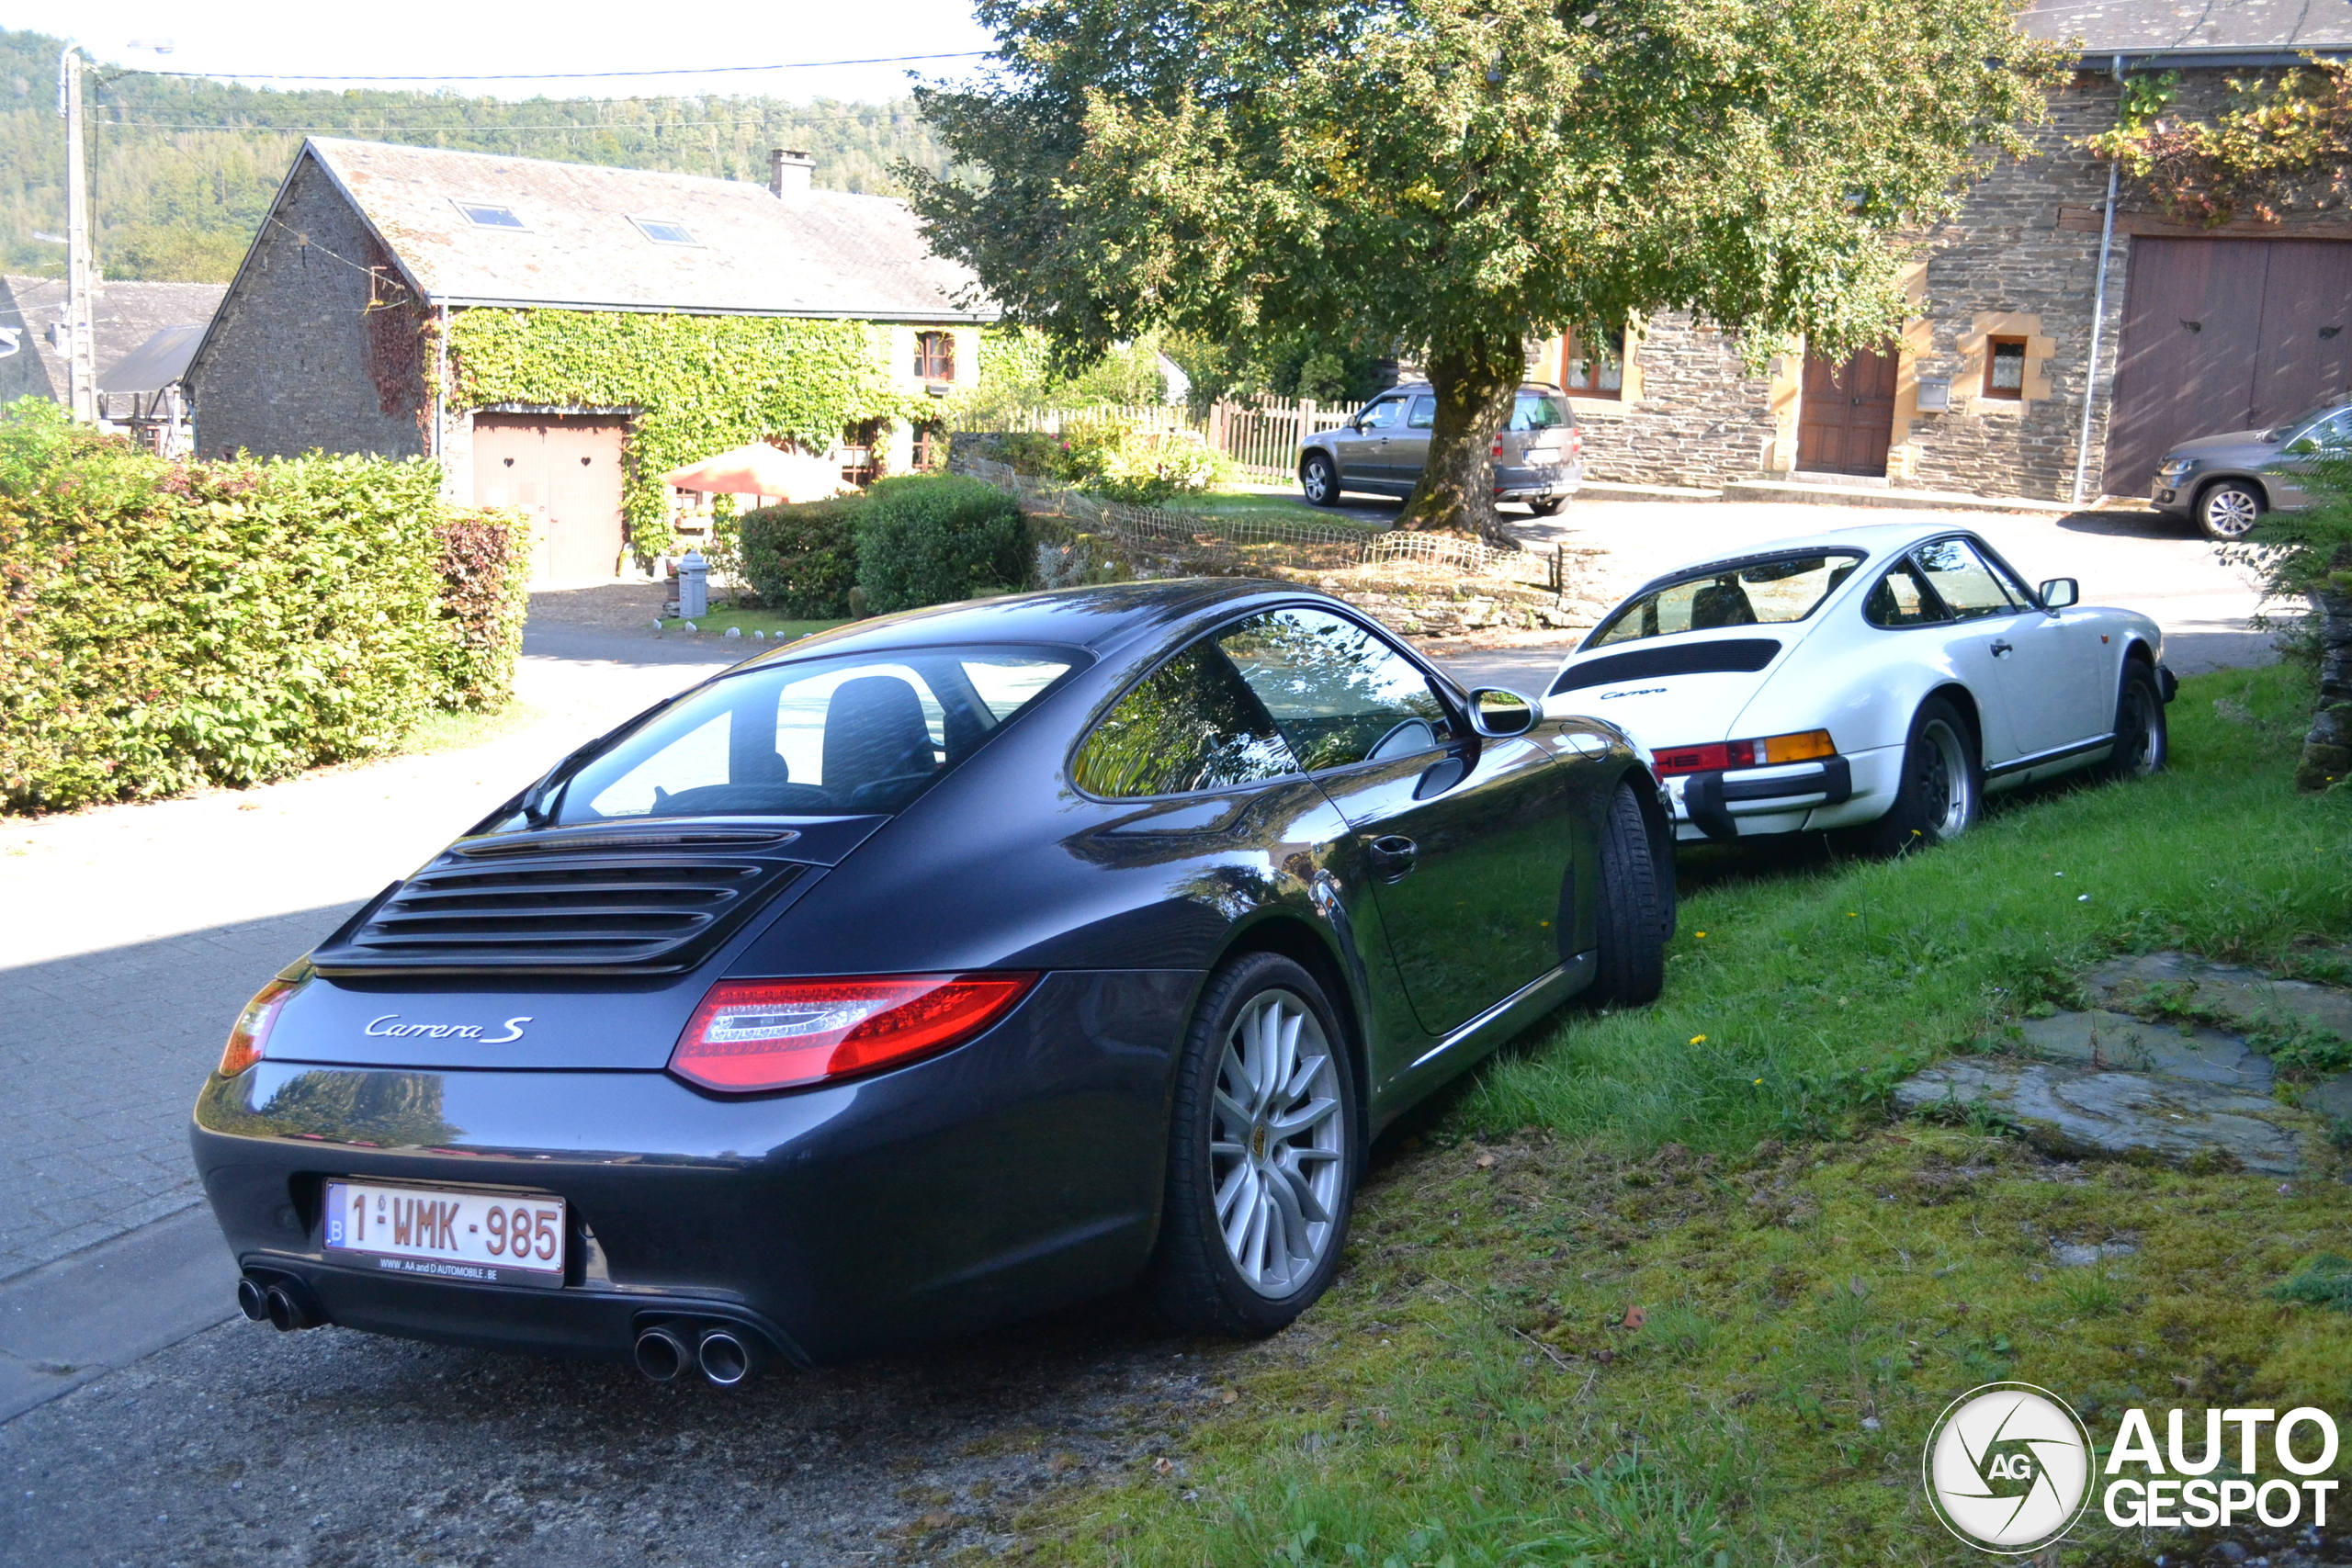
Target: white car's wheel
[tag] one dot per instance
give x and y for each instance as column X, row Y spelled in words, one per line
column 2143, row 740
column 1942, row 787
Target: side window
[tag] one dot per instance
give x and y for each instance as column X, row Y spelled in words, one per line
column 2333, row 434
column 1339, row 694
column 1424, row 415
column 1902, row 599
column 1382, row 414
column 1969, row 588
column 1190, row 725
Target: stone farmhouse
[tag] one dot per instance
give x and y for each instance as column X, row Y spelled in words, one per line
column 2199, row 330
column 370, row 249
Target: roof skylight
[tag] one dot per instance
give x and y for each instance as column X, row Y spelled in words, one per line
column 665, row 232
column 482, row 215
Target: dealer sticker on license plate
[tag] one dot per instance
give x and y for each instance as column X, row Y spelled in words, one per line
column 487, row 1238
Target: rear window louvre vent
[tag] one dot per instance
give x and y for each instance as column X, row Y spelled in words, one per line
column 639, row 912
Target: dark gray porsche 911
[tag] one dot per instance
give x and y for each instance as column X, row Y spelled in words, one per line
column 926, row 974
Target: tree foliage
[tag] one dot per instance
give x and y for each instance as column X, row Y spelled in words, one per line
column 2307, row 555
column 2274, row 147
column 1456, row 177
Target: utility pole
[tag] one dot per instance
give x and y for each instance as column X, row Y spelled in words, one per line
column 81, row 373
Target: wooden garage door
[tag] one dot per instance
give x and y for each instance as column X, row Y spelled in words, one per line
column 1846, row 414
column 2224, row 334
column 565, row 471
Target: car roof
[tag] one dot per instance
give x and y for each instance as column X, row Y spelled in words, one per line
column 1100, row 619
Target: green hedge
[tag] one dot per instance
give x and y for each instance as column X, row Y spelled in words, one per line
column 802, row 559
column 924, row 540
column 170, row 625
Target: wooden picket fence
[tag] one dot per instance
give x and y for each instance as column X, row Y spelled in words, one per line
column 1260, row 438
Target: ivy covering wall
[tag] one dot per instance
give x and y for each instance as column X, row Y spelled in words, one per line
column 695, row 385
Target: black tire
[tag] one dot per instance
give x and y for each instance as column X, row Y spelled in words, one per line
column 1942, row 792
column 1637, row 908
column 1196, row 1281
column 2142, row 738
column 2226, row 511
column 1318, row 480
column 1547, row 506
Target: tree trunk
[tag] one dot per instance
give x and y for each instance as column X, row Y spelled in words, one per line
column 2327, row 750
column 1456, row 493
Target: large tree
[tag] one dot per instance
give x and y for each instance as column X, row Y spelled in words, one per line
column 1454, row 178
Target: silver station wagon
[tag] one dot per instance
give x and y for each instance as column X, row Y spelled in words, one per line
column 1538, row 456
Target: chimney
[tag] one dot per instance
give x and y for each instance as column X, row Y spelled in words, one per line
column 789, row 170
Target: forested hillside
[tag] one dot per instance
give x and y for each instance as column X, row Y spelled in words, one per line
column 181, row 172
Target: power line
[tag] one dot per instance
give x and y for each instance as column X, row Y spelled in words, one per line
column 565, row 75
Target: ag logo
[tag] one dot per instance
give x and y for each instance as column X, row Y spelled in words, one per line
column 2008, row 1468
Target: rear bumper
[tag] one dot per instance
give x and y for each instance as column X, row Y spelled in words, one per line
column 1014, row 1174
column 1742, row 803
column 1539, row 483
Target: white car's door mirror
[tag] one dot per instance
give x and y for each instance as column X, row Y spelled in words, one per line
column 2060, row 593
column 1499, row 713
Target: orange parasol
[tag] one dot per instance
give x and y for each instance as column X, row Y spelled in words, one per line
column 761, row 469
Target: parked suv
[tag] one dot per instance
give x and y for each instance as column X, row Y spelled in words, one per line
column 1538, row 457
column 2224, row 483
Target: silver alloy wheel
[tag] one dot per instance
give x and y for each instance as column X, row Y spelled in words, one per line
column 2230, row 510
column 1945, row 788
column 1277, row 1143
column 1315, row 479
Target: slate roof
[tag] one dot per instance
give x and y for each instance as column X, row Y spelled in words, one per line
column 2193, row 31
column 126, row 316
column 578, row 245
column 155, row 364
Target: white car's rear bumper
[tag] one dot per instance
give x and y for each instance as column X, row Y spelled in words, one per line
column 1745, row 803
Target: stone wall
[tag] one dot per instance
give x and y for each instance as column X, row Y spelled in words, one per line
column 1694, row 415
column 298, row 360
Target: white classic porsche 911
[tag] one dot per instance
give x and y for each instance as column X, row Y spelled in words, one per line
column 1879, row 680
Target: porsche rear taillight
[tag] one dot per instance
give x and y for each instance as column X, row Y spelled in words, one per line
column 764, row 1034
column 249, row 1040
column 1769, row 752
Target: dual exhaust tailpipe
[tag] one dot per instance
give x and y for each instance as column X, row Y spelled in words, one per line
column 283, row 1305
column 722, row 1352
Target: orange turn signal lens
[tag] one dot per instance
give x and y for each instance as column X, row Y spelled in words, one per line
column 248, row 1039
column 1803, row 747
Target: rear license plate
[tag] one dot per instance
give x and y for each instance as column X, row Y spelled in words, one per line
column 440, row 1233
column 1543, row 455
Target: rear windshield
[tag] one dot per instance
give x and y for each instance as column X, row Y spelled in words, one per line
column 1538, row 411
column 1743, row 594
column 821, row 736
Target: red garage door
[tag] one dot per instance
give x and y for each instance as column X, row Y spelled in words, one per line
column 2224, row 334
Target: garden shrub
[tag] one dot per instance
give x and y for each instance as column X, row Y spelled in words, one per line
column 170, row 625
column 1112, row 456
column 802, row 559
column 923, row 540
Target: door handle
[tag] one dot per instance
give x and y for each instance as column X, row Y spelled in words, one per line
column 1392, row 856
column 2000, row 648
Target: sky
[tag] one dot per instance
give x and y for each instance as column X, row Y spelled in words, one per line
column 250, row 39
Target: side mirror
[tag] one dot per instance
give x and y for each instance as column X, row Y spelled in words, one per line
column 2060, row 593
column 1498, row 714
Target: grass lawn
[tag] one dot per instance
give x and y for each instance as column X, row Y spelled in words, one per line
column 1289, row 508
column 749, row 620
column 442, row 732
column 1670, row 1289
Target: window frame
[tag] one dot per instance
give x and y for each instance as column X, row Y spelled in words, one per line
column 1717, row 569
column 1401, row 400
column 1595, row 392
column 466, row 210
column 925, row 339
column 2030, row 600
column 1449, row 694
column 1992, row 347
column 645, row 226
